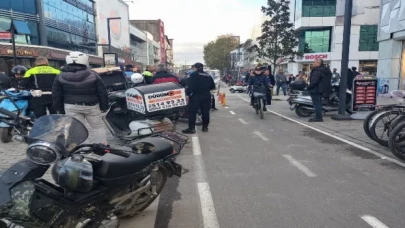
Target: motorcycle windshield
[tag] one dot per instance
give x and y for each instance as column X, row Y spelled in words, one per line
column 63, row 131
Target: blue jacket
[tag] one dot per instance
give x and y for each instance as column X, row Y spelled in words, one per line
column 259, row 79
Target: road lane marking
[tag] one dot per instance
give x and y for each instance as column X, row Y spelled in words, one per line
column 233, row 113
column 207, row 206
column 226, row 107
column 382, row 156
column 260, row 135
column 196, row 146
column 299, row 166
column 373, row 221
column 242, row 121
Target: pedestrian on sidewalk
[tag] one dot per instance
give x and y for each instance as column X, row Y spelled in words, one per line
column 81, row 93
column 320, row 79
column 335, row 76
column 281, row 82
column 272, row 80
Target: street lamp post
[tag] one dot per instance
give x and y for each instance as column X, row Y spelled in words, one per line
column 109, row 31
column 345, row 62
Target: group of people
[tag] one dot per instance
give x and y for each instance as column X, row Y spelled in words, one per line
column 152, row 74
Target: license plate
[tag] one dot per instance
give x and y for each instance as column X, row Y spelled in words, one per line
column 177, row 169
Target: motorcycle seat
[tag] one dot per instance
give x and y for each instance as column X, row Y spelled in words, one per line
column 113, row 166
column 257, row 95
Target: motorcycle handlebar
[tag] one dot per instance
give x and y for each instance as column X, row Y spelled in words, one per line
column 8, row 113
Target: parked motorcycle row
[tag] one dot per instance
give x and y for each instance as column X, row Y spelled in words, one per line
column 386, row 126
column 94, row 185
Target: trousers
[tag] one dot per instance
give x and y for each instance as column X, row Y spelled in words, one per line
column 41, row 105
column 93, row 116
column 317, row 102
column 199, row 102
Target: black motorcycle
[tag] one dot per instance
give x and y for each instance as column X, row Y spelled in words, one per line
column 94, row 183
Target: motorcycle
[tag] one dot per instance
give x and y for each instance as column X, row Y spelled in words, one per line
column 21, row 100
column 141, row 111
column 95, row 184
column 303, row 106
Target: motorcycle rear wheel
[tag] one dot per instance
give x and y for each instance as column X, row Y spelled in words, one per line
column 366, row 123
column 397, row 147
column 302, row 112
column 5, row 134
column 162, row 178
column 385, row 119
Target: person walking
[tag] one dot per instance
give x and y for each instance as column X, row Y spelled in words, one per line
column 281, row 82
column 272, row 80
column 148, row 75
column 162, row 76
column 199, row 87
column 335, row 76
column 320, row 79
column 81, row 93
column 40, row 79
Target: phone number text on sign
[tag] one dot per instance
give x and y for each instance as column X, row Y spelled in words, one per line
column 135, row 101
column 165, row 100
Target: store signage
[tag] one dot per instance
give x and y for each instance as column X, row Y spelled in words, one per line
column 364, row 95
column 22, row 52
column 315, row 56
column 57, row 55
column 5, row 36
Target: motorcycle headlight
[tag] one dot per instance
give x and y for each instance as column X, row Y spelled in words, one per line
column 43, row 153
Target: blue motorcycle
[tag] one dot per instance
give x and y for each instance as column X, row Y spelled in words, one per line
column 15, row 102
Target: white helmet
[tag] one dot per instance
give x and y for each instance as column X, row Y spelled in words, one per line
column 136, row 78
column 77, row 57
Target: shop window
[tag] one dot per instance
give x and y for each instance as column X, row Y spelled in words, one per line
column 368, row 38
column 368, row 67
column 315, row 41
column 316, row 8
column 5, row 4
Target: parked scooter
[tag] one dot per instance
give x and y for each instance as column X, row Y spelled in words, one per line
column 303, row 105
column 21, row 99
column 296, row 88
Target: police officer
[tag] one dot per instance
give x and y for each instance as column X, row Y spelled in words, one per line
column 40, row 78
column 199, row 87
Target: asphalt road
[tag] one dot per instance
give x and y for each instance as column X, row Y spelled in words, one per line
column 248, row 172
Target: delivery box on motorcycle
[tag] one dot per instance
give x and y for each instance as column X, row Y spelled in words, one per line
column 113, row 77
column 158, row 99
column 298, row 85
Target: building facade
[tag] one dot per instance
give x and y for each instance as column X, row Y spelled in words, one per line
column 320, row 27
column 157, row 29
column 56, row 27
column 391, row 37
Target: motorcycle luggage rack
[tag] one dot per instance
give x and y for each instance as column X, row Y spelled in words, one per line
column 178, row 140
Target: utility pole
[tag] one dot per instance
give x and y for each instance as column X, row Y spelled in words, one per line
column 345, row 62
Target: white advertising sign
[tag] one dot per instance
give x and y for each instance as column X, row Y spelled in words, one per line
column 165, row 100
column 135, row 100
column 119, row 28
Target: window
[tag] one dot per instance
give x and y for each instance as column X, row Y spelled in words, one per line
column 315, row 41
column 368, row 38
column 5, row 4
column 368, row 67
column 316, row 8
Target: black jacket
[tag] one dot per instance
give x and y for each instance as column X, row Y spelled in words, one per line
column 272, row 80
column 163, row 77
column 16, row 83
column 320, row 80
column 4, row 79
column 200, row 83
column 350, row 79
column 77, row 84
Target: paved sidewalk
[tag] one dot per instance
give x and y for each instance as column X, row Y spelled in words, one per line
column 351, row 130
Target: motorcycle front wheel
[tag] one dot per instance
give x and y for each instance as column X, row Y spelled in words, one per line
column 379, row 128
column 367, row 123
column 5, row 134
column 301, row 111
column 145, row 199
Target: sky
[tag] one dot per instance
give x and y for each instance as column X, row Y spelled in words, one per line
column 193, row 23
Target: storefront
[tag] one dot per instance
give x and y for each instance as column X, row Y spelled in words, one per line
column 26, row 55
column 306, row 63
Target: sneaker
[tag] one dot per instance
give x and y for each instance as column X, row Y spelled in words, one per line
column 315, row 120
column 264, row 109
column 188, row 131
column 205, row 129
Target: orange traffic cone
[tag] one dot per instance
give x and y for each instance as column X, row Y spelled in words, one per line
column 223, row 100
column 219, row 97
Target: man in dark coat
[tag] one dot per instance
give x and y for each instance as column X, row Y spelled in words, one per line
column 320, row 83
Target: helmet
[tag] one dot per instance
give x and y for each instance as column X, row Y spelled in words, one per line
column 76, row 57
column 19, row 69
column 137, row 78
column 199, row 66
